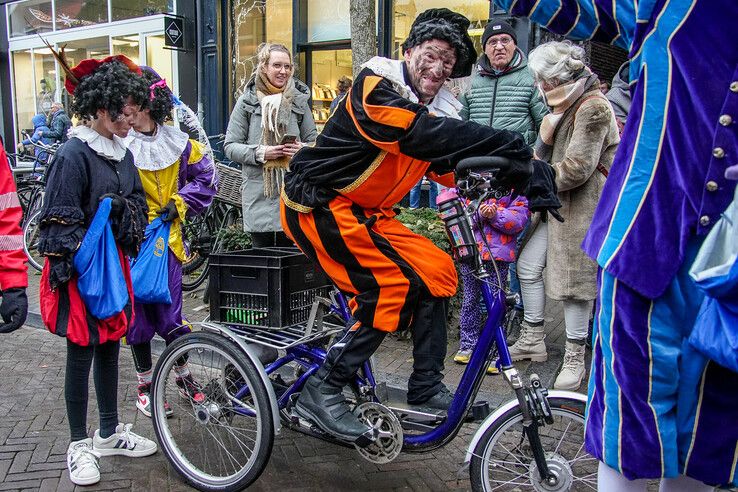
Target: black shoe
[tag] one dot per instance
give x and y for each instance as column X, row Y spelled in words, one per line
column 441, row 401
column 325, row 406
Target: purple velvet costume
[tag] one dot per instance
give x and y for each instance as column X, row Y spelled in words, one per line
column 656, row 407
column 197, row 184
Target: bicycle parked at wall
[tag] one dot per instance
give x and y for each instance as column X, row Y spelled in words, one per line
column 31, row 183
column 223, row 442
column 201, row 233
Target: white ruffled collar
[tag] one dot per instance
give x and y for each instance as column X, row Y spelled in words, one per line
column 114, row 149
column 159, row 151
column 444, row 104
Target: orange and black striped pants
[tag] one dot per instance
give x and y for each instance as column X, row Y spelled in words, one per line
column 371, row 255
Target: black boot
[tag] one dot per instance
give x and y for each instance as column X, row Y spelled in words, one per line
column 321, row 400
column 425, row 386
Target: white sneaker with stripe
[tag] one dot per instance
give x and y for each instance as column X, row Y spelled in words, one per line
column 123, row 443
column 82, row 463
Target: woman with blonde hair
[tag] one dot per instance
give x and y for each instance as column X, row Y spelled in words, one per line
column 578, row 138
column 270, row 122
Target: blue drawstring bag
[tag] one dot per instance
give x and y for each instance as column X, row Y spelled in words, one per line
column 150, row 270
column 100, row 280
column 715, row 271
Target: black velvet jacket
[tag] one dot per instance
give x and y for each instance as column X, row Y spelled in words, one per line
column 77, row 180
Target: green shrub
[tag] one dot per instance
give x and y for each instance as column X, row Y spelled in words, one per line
column 233, row 238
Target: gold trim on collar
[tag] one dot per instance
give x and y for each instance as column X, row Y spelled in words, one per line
column 294, row 205
column 365, row 175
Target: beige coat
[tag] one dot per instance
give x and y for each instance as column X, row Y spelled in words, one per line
column 583, row 140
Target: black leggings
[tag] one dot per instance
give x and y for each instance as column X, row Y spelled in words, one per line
column 76, row 382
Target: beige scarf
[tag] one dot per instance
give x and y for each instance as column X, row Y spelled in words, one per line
column 276, row 108
column 560, row 99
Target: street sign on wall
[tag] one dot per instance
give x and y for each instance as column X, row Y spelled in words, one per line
column 174, row 33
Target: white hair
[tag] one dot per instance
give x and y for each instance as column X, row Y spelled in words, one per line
column 556, row 61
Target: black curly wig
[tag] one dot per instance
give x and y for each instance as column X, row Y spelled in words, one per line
column 161, row 106
column 109, row 88
column 448, row 26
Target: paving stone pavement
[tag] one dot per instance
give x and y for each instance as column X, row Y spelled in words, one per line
column 34, row 430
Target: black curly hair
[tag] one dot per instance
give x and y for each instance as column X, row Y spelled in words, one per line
column 109, row 88
column 161, row 106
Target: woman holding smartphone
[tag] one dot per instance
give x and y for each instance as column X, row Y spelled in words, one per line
column 269, row 124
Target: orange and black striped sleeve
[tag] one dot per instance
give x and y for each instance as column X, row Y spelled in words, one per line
column 396, row 124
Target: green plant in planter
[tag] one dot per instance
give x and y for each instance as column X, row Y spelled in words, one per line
column 234, row 238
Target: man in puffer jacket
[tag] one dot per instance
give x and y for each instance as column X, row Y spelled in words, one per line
column 503, row 94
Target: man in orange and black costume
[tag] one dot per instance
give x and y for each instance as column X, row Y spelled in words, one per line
column 337, row 205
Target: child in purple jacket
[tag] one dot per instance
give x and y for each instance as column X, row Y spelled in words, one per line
column 501, row 220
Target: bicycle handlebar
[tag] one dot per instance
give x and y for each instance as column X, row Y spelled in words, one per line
column 483, row 163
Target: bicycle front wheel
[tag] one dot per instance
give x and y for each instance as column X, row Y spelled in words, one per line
column 220, row 428
column 503, row 459
column 31, row 231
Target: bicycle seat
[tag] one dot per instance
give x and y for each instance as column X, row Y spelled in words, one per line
column 481, row 164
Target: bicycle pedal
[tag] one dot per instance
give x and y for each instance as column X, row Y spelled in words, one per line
column 367, row 438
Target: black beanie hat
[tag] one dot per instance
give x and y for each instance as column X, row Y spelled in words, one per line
column 497, row 27
column 450, row 27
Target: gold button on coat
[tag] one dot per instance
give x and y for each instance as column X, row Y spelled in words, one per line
column 718, row 152
column 734, row 86
column 704, row 220
column 711, row 186
column 725, row 120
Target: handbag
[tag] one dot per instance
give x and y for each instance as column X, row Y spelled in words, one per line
column 100, row 280
column 715, row 272
column 150, row 270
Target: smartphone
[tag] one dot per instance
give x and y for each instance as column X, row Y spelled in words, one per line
column 288, row 139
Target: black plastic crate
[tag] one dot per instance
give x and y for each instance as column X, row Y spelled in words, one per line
column 267, row 288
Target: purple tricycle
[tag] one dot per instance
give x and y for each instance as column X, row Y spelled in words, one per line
column 222, row 442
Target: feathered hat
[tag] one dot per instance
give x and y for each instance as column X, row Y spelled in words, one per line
column 86, row 67
column 449, row 26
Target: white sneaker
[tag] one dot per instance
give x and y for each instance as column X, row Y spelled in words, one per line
column 82, row 463
column 123, row 443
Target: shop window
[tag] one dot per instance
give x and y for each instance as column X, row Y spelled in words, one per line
column 158, row 58
column 128, row 9
column 30, row 17
column 25, row 105
column 45, row 71
column 128, row 46
column 327, row 67
column 252, row 23
column 405, row 12
column 80, row 13
column 330, row 20
column 78, row 50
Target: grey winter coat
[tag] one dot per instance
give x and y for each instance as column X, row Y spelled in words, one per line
column 508, row 101
column 243, row 136
column 583, row 140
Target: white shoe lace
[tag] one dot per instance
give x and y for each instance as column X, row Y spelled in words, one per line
column 83, row 455
column 572, row 361
column 131, row 438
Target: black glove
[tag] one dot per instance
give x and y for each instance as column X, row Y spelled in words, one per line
column 541, row 190
column 14, row 309
column 168, row 212
column 117, row 205
column 515, row 175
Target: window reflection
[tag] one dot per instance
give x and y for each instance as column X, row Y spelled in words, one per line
column 328, row 66
column 256, row 21
column 45, row 69
column 31, row 17
column 25, row 106
column 80, row 13
column 128, row 46
column 128, row 9
column 405, row 12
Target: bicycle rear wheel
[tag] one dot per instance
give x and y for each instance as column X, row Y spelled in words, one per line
column 221, row 432
column 198, row 237
column 31, row 231
column 503, row 459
